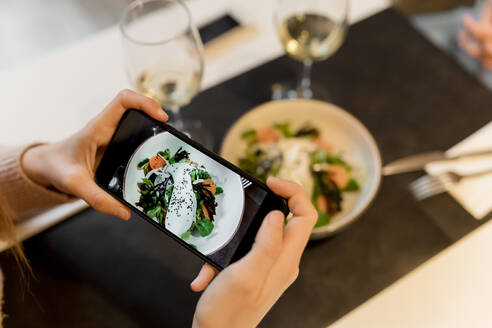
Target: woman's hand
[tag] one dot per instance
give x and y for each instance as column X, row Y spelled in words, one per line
column 244, row 292
column 476, row 37
column 69, row 165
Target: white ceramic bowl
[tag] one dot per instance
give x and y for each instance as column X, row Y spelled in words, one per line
column 230, row 203
column 343, row 131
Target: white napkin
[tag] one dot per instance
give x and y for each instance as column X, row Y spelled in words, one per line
column 473, row 193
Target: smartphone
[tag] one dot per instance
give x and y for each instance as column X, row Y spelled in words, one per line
column 205, row 203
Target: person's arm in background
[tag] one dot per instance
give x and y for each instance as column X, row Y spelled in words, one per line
column 475, row 38
column 43, row 175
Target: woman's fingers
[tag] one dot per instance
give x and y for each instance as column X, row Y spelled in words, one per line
column 102, row 127
column 299, row 204
column 267, row 246
column 297, row 233
column 98, row 199
column 205, row 276
column 264, row 253
column 129, row 99
column 304, row 218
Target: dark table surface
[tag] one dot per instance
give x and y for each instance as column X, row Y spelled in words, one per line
column 96, row 271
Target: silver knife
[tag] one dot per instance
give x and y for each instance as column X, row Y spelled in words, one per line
column 418, row 162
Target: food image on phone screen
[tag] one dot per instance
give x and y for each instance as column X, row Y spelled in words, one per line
column 192, row 196
column 181, row 189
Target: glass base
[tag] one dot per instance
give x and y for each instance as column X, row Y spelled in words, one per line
column 289, row 90
column 195, row 130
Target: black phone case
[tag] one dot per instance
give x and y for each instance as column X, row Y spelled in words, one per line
column 214, row 156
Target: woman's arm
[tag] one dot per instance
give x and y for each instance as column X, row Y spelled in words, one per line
column 18, row 192
column 47, row 174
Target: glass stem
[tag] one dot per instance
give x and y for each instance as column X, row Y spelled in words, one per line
column 177, row 121
column 304, row 84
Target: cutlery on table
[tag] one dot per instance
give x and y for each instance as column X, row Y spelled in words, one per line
column 418, row 162
column 428, row 186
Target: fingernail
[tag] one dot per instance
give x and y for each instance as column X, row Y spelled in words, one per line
column 124, row 214
column 272, row 178
column 195, row 281
column 163, row 114
column 274, row 218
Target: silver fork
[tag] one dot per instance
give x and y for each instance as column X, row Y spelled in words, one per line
column 428, row 186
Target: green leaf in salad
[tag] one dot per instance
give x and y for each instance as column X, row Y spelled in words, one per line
column 166, row 154
column 205, row 227
column 352, row 185
column 199, row 205
column 169, row 192
column 152, row 213
column 321, row 156
column 249, row 136
column 159, row 217
column 307, row 131
column 248, row 133
column 250, row 164
column 284, row 128
column 202, row 174
column 146, row 168
column 218, row 190
column 199, row 214
column 323, row 219
column 325, row 186
column 164, row 204
column 147, row 182
column 192, row 227
column 142, row 163
column 185, row 236
column 194, row 246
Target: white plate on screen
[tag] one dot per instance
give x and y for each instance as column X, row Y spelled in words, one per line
column 343, row 131
column 230, row 203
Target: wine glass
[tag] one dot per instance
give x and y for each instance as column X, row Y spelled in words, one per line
column 310, row 31
column 164, row 57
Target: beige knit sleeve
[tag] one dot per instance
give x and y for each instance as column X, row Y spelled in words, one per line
column 18, row 193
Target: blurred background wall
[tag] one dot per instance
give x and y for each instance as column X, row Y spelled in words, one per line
column 30, row 28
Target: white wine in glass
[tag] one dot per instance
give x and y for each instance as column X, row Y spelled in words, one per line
column 164, row 57
column 310, row 31
column 170, row 88
column 311, row 36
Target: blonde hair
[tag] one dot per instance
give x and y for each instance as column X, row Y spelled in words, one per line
column 8, row 235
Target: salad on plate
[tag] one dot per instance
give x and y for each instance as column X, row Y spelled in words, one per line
column 302, row 156
column 178, row 193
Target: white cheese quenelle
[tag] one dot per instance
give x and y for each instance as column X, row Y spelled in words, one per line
column 296, row 162
column 182, row 205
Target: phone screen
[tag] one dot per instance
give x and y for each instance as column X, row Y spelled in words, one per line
column 199, row 199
